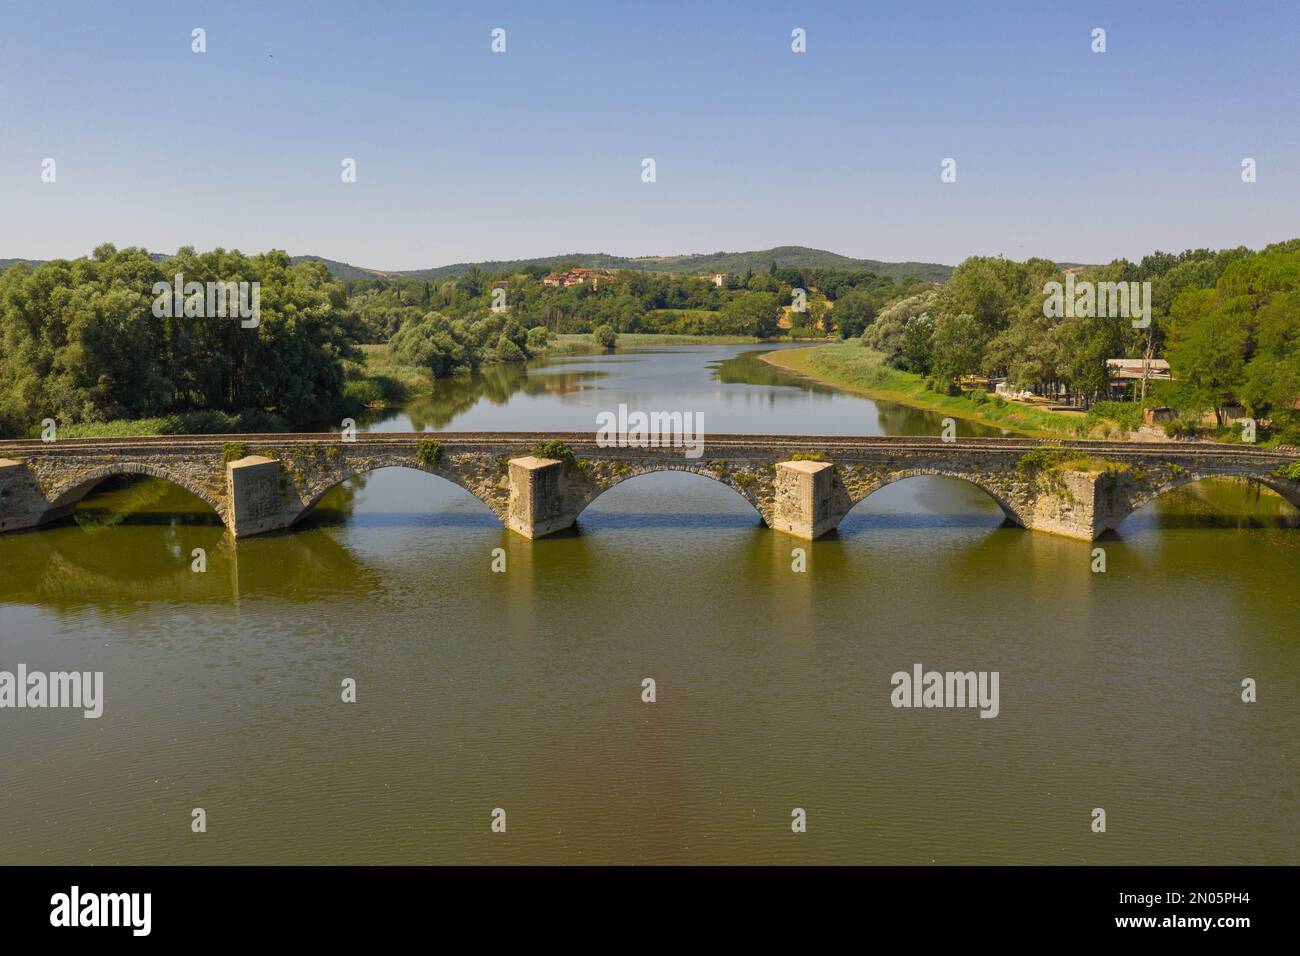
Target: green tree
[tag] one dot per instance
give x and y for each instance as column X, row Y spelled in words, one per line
column 508, row 350
column 437, row 343
column 83, row 342
column 853, row 312
column 955, row 347
column 1207, row 353
column 753, row 313
column 538, row 339
column 902, row 333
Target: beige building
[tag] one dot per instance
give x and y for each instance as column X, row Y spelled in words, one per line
column 572, row 277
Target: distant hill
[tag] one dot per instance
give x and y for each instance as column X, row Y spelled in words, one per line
column 789, row 257
column 343, row 270
column 6, row 263
column 701, row 264
column 340, row 270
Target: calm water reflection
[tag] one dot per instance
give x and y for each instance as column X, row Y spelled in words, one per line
column 729, row 385
column 521, row 690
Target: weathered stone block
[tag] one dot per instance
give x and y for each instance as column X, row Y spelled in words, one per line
column 1083, row 505
column 256, row 502
column 537, row 504
column 10, row 471
column 21, row 503
column 810, row 499
column 12, row 512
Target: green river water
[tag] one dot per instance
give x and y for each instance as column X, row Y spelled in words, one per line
column 522, row 690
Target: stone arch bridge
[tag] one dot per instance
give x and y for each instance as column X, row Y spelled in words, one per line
column 799, row 485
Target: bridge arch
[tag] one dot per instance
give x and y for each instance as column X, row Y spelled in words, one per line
column 320, row 489
column 707, row 470
column 65, row 495
column 1287, row 490
column 990, row 487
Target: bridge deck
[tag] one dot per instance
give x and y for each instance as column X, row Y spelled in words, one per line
column 831, row 444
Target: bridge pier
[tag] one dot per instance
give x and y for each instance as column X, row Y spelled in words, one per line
column 538, row 505
column 1084, row 505
column 809, row 499
column 21, row 503
column 256, row 499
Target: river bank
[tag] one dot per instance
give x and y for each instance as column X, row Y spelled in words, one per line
column 861, row 371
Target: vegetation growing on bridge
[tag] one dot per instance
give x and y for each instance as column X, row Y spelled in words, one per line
column 233, row 451
column 1062, row 459
column 555, row 449
column 808, row 456
column 1290, row 472
column 1048, row 466
column 428, row 452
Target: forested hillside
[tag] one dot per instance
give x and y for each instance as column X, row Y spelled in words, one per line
column 783, row 257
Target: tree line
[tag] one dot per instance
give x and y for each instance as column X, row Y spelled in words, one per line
column 80, row 342
column 628, row 300
column 1227, row 321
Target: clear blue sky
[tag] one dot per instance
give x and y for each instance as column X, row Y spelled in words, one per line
column 464, row 154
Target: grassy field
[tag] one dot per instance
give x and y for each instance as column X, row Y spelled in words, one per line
column 186, row 423
column 394, row 382
column 856, row 369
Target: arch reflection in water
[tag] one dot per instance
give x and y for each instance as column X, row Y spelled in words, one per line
column 1214, row 503
column 132, row 544
column 137, row 499
column 398, row 496
column 669, row 499
column 925, row 501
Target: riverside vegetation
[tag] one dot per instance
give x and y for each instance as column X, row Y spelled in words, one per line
column 1228, row 323
column 79, row 343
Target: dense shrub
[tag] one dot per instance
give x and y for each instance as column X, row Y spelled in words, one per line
column 508, row 350
column 428, row 452
column 538, row 338
column 1127, row 415
column 555, row 449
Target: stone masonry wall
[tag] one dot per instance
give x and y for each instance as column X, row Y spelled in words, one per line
column 38, row 483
